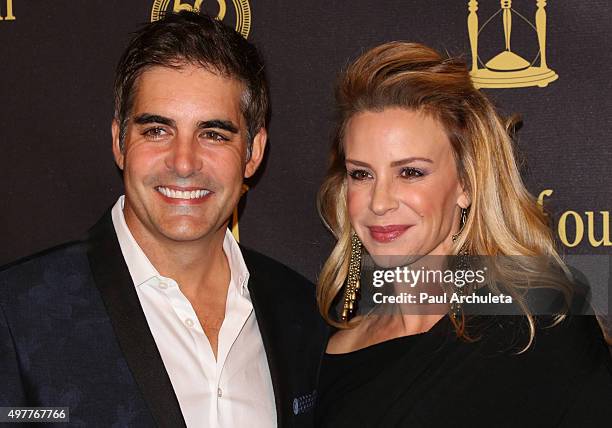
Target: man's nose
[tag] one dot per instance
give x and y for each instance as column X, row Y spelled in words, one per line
column 184, row 157
column 383, row 197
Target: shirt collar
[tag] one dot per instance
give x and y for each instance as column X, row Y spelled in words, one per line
column 238, row 268
column 142, row 270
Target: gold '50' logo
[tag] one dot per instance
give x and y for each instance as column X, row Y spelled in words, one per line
column 240, row 13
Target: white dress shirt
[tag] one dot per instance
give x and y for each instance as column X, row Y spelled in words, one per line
column 235, row 389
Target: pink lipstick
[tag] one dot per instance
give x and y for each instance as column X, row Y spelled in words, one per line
column 387, row 233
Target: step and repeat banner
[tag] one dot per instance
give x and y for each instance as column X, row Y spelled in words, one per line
column 57, row 60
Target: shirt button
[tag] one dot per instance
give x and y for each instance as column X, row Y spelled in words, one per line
column 219, row 392
column 189, row 322
column 163, row 285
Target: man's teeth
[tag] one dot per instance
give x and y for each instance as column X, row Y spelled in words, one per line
column 182, row 194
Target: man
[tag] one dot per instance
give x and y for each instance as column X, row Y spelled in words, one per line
column 158, row 317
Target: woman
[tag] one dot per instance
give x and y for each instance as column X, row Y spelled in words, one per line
column 423, row 166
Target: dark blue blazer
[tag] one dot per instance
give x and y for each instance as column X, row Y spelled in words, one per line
column 73, row 334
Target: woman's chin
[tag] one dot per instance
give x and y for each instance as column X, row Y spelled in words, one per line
column 389, row 261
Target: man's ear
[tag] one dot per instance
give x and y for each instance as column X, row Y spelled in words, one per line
column 117, row 152
column 257, row 152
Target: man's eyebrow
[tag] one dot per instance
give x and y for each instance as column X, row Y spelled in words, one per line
column 143, row 119
column 358, row 163
column 226, row 125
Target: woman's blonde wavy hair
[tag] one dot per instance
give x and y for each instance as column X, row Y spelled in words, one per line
column 504, row 218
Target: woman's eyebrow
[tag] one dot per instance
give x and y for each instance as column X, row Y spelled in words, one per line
column 409, row 160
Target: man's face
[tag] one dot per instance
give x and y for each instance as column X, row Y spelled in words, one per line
column 185, row 152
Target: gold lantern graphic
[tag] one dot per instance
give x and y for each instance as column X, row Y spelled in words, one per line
column 508, row 69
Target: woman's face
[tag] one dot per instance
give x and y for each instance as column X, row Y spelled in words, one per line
column 404, row 196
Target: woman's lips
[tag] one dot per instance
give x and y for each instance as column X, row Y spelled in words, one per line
column 387, row 233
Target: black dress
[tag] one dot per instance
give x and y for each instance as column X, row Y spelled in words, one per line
column 433, row 379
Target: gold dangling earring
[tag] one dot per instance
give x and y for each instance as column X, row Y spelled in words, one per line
column 352, row 282
column 462, row 221
column 462, row 263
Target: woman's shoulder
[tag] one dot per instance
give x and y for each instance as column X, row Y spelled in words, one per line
column 577, row 338
column 573, row 342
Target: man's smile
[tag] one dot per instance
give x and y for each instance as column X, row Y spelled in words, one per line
column 183, row 194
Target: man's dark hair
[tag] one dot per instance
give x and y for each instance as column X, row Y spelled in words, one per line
column 192, row 38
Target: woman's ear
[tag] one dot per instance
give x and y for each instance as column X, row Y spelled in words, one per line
column 464, row 200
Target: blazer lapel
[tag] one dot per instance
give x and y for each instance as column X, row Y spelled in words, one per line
column 114, row 282
column 293, row 342
column 266, row 324
column 273, row 324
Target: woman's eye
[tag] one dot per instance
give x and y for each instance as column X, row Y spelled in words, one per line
column 359, row 174
column 154, row 133
column 215, row 136
column 411, row 173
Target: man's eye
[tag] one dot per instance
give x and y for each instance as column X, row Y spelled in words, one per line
column 359, row 174
column 411, row 173
column 215, row 136
column 154, row 133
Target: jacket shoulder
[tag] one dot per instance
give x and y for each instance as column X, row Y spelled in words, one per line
column 276, row 272
column 276, row 284
column 47, row 266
